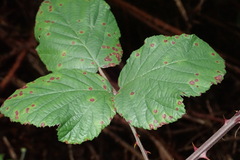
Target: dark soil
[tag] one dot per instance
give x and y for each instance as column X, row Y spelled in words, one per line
column 216, row 22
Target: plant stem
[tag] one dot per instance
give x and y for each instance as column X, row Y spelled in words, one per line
column 229, row 124
column 138, row 141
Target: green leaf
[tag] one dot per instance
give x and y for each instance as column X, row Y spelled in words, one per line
column 158, row 74
column 77, row 34
column 79, row 102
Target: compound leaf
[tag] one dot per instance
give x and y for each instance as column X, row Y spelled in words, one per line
column 77, row 34
column 158, row 74
column 79, row 102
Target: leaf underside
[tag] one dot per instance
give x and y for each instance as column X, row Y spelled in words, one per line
column 158, row 74
column 81, row 107
column 77, row 34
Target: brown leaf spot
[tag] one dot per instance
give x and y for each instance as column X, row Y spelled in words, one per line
column 27, row 110
column 179, row 102
column 155, row 111
column 191, row 82
column 218, row 78
column 164, row 116
column 108, row 58
column 152, row 45
column 90, row 88
column 20, row 93
column 92, row 100
column 132, row 93
column 104, row 87
column 151, row 126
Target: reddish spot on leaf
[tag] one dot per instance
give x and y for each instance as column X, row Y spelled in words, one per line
column 15, row 95
column 170, row 117
column 191, row 82
column 42, row 124
column 101, row 122
column 196, row 80
column 118, row 45
column 64, row 54
column 165, row 62
column 24, row 87
column 152, row 45
column 16, row 113
column 52, row 78
column 59, row 65
column 218, row 78
column 151, row 126
column 92, row 63
column 31, row 92
column 60, row 4
column 104, row 87
column 73, row 42
column 7, row 108
column 84, row 72
column 196, row 44
column 137, row 54
column 176, row 37
column 132, row 93
column 20, row 93
column 58, row 78
column 104, row 46
column 109, row 35
column 115, row 49
column 46, row 1
column 33, row 105
column 81, row 59
column 179, row 103
column 177, row 109
column 107, row 58
column 173, row 42
column 48, row 34
column 81, row 32
column 27, row 110
column 103, row 24
column 197, row 74
column 213, row 54
column 155, row 111
column 165, row 41
column 164, row 116
column 217, row 61
column 50, row 8
column 92, row 100
column 90, row 88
